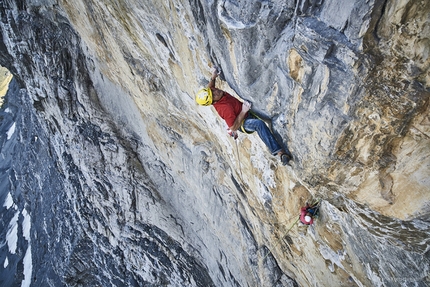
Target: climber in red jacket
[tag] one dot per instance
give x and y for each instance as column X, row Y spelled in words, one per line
column 305, row 216
column 237, row 116
column 308, row 212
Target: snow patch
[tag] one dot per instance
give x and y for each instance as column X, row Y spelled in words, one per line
column 26, row 224
column 28, row 268
column 11, row 131
column 6, row 263
column 8, row 203
column 12, row 234
column 28, row 264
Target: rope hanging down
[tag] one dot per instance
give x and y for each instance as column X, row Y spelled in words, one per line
column 316, row 204
column 238, row 159
column 295, row 222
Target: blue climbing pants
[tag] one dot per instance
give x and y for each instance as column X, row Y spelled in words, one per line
column 252, row 124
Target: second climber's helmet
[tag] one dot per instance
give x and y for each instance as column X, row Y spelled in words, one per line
column 204, row 97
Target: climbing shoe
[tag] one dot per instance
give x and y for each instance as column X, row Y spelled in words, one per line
column 285, row 159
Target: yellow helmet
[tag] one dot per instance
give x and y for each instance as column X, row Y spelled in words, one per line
column 204, row 97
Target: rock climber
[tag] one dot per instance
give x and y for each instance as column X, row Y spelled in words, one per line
column 238, row 116
column 307, row 213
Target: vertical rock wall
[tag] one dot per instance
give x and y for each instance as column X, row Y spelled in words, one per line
column 107, row 160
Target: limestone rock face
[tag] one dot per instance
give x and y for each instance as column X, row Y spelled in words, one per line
column 112, row 175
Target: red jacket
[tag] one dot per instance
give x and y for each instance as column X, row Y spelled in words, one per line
column 228, row 108
column 303, row 212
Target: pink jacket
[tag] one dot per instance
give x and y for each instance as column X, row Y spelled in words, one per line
column 303, row 213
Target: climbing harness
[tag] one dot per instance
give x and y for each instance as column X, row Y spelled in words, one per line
column 251, row 114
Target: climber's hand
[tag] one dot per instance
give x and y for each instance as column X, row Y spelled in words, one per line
column 246, row 106
column 233, row 134
column 215, row 72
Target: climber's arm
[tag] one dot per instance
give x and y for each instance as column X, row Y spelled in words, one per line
column 246, row 106
column 213, row 78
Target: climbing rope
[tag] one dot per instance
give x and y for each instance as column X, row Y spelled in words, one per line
column 316, row 203
column 238, row 160
column 276, row 243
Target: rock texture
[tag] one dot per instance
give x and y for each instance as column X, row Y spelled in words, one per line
column 111, row 175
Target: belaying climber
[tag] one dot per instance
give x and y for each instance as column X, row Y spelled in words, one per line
column 307, row 213
column 238, row 116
